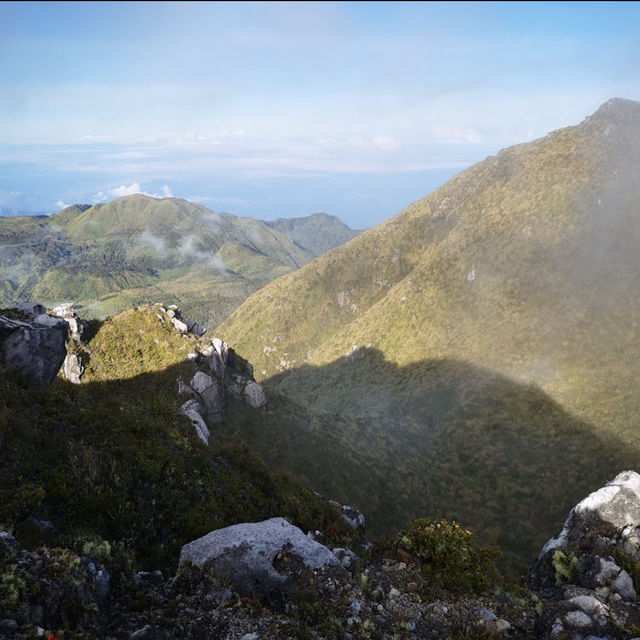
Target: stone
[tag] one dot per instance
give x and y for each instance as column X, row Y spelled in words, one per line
column 194, row 411
column 7, row 540
column 36, row 347
column 622, row 584
column 255, row 396
column 211, row 393
column 577, row 619
column 179, row 325
column 593, row 528
column 589, row 604
column 29, row 309
column 73, row 368
column 245, row 554
column 354, row 518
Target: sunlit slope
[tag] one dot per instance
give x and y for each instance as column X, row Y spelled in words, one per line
column 527, row 264
column 132, row 250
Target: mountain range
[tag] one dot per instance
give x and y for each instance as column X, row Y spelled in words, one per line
column 138, row 249
column 481, row 343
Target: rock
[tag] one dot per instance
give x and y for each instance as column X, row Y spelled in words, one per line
column 194, row 411
column 255, row 396
column 217, row 355
column 347, row 558
column 577, row 620
column 179, row 325
column 73, row 368
column 245, row 554
column 211, row 393
column 354, row 518
column 9, row 542
column 35, row 347
column 30, row 309
column 598, row 525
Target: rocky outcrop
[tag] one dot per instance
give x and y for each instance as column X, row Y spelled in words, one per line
column 581, row 570
column 75, row 361
column 183, row 324
column 220, row 373
column 32, row 342
column 246, row 554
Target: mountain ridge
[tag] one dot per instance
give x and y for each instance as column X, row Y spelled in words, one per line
column 138, row 249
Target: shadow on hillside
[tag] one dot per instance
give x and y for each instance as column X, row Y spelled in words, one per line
column 114, row 460
column 438, row 438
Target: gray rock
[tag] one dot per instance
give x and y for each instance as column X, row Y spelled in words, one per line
column 29, row 309
column 245, row 553
column 73, row 368
column 593, row 528
column 9, row 541
column 211, row 394
column 36, row 348
column 218, row 355
column 622, row 584
column 194, row 411
column 577, row 620
column 354, row 518
column 255, row 396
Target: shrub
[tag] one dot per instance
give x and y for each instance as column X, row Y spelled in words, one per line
column 449, row 556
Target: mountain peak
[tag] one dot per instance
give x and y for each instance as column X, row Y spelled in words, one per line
column 618, row 110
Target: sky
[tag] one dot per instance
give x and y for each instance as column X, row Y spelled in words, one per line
column 285, row 109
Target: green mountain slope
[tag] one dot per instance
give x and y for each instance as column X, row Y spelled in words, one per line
column 139, row 249
column 526, row 264
column 484, row 338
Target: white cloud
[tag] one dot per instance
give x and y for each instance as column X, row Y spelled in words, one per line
column 456, row 134
column 123, row 190
column 385, row 142
column 61, row 205
column 133, row 189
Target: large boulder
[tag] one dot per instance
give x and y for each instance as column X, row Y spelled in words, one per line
column 32, row 343
column 246, row 554
column 580, row 571
column 606, row 523
column 211, row 395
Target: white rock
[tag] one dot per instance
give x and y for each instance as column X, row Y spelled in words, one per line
column 194, row 410
column 245, row 553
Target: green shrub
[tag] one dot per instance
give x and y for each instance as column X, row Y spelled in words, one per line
column 449, row 556
column 565, row 564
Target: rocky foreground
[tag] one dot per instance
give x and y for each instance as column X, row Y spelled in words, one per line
column 271, row 579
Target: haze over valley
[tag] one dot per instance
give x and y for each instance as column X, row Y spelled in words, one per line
column 319, row 320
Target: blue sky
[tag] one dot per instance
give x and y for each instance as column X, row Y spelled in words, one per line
column 283, row 109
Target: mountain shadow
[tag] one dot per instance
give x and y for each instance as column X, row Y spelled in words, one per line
column 436, row 438
column 113, row 460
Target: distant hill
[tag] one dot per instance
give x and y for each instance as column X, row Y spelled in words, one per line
column 317, row 233
column 139, row 249
column 523, row 269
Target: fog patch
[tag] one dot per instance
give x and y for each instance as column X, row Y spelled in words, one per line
column 149, row 239
column 189, row 250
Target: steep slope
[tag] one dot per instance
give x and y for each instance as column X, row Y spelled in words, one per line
column 476, row 344
column 139, row 249
column 526, row 263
